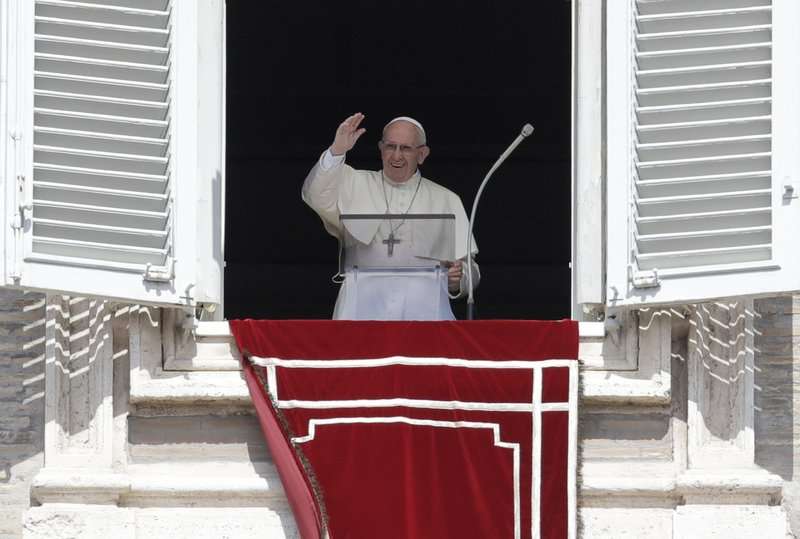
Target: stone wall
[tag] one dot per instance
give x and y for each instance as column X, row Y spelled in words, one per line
column 777, row 396
column 651, row 442
column 22, row 352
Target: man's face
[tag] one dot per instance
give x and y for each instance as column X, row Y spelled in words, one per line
column 401, row 151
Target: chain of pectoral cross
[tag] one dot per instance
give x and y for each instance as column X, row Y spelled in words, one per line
column 390, row 241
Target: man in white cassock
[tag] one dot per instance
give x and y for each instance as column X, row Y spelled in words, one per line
column 332, row 189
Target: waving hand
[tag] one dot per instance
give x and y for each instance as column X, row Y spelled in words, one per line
column 347, row 134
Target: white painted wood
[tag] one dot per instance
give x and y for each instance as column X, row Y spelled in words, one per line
column 698, row 150
column 587, row 155
column 8, row 56
column 210, row 221
column 75, row 75
column 113, row 103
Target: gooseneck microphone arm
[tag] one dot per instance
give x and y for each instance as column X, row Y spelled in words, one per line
column 527, row 129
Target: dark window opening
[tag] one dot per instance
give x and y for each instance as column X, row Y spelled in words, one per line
column 472, row 72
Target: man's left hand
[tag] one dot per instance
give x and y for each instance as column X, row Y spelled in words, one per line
column 454, row 275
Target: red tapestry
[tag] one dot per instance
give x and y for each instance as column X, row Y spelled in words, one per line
column 419, row 429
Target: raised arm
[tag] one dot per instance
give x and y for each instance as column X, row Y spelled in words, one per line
column 321, row 187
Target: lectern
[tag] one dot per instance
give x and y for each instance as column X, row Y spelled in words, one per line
column 395, row 266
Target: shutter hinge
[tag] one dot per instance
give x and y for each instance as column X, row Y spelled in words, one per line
column 644, row 279
column 789, row 191
column 19, row 216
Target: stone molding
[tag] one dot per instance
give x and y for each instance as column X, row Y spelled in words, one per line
column 88, row 355
column 626, row 360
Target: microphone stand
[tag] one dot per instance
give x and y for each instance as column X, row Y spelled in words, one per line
column 527, row 129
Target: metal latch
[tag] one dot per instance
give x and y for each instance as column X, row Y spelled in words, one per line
column 789, row 191
column 645, row 279
column 19, row 216
column 160, row 274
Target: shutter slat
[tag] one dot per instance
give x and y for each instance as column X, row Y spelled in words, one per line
column 731, row 129
column 155, row 239
column 91, row 196
column 98, row 251
column 645, row 126
column 700, row 94
column 100, row 69
column 700, row 19
column 728, row 164
column 101, row 123
column 642, row 165
column 129, row 16
column 715, row 196
column 104, row 160
column 654, row 7
column 709, row 33
column 715, row 86
column 116, row 33
column 703, row 233
column 760, row 107
column 682, row 204
column 79, row 84
column 703, row 75
column 737, row 237
column 675, row 150
column 704, row 220
column 98, row 215
column 704, row 38
column 105, row 142
column 155, row 5
column 88, row 48
column 699, row 257
column 88, row 177
column 702, row 184
column 106, row 106
column 692, row 58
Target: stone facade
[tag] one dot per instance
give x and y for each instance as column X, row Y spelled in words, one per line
column 22, row 358
column 687, row 425
column 777, row 397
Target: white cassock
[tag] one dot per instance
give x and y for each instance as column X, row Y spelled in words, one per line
column 333, row 188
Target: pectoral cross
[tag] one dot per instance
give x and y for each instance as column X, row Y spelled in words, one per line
column 389, row 242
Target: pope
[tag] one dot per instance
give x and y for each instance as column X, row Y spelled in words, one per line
column 333, row 188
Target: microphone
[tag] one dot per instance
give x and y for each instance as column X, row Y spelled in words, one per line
column 527, row 130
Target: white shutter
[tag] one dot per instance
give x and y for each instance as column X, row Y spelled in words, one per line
column 100, row 176
column 696, row 205
column 101, row 141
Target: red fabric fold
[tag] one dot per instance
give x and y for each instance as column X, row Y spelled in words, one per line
column 443, row 447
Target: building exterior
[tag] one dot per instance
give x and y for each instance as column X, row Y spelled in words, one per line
column 122, row 415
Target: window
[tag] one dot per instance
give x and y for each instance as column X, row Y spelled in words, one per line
column 113, row 178
column 702, row 101
column 472, row 84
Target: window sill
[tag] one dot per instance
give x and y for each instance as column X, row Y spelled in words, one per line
column 631, row 366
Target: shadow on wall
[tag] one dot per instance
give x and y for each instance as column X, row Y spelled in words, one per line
column 721, row 342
